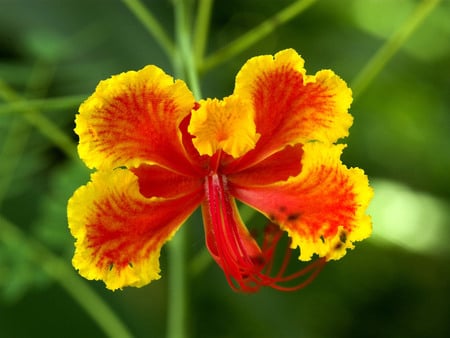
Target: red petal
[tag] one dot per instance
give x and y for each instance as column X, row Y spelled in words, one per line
column 155, row 181
column 291, row 107
column 277, row 167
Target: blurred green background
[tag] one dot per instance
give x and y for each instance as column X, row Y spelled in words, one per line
column 396, row 284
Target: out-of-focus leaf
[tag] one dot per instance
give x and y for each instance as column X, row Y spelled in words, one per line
column 401, row 129
column 412, row 220
column 382, row 17
column 18, row 273
column 18, row 269
column 47, row 45
column 51, row 224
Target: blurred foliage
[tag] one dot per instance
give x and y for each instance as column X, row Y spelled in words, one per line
column 396, row 284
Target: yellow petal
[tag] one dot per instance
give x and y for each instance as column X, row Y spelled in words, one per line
column 226, row 125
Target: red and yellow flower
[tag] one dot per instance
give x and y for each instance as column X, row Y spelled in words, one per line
column 159, row 155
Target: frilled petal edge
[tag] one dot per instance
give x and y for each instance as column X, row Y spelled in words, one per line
column 119, row 233
column 323, row 209
column 134, row 118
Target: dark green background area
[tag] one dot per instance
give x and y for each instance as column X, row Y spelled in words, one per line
column 394, row 285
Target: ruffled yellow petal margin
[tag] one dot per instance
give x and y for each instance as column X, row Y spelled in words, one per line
column 226, row 125
column 119, row 233
column 322, row 209
column 342, row 196
column 133, row 118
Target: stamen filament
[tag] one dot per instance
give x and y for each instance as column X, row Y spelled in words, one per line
column 246, row 265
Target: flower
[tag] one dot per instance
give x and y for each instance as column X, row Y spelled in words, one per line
column 159, row 155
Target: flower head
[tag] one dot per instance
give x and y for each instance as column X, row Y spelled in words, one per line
column 159, row 155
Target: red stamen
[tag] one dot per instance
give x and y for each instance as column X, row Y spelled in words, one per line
column 246, row 266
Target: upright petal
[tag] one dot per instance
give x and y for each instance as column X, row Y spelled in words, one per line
column 223, row 125
column 322, row 209
column 291, row 107
column 119, row 233
column 132, row 118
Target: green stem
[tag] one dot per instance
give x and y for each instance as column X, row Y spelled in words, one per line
column 152, row 25
column 177, row 285
column 199, row 263
column 256, row 34
column 62, row 273
column 184, row 63
column 201, row 30
column 391, row 46
column 184, row 41
column 52, row 132
column 47, row 104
